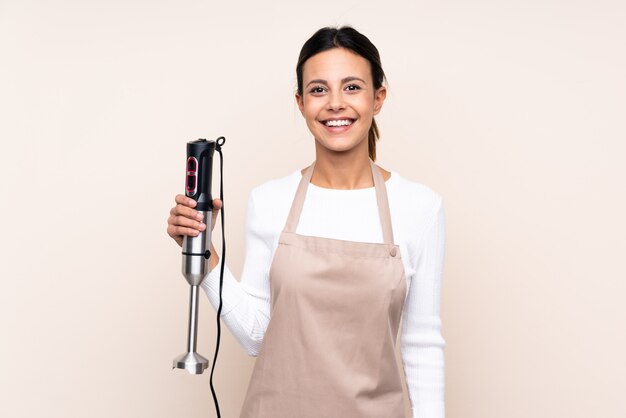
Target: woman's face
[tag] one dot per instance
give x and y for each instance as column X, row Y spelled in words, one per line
column 338, row 100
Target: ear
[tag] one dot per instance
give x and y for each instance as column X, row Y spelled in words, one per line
column 300, row 101
column 379, row 99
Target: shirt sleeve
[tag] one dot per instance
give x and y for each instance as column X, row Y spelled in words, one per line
column 421, row 342
column 246, row 303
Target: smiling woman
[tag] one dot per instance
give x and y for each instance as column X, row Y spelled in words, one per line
column 346, row 39
column 336, row 254
column 339, row 108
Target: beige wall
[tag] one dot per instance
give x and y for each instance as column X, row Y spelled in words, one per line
column 512, row 110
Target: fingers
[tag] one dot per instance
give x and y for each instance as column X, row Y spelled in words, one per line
column 177, row 232
column 185, row 220
column 181, row 199
column 178, row 226
column 184, row 207
column 185, row 211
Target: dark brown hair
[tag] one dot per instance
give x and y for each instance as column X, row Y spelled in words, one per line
column 351, row 39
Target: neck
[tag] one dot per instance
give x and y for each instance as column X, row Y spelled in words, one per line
column 342, row 170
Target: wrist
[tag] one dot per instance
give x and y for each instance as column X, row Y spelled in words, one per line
column 214, row 260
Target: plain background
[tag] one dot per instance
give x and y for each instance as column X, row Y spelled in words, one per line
column 514, row 111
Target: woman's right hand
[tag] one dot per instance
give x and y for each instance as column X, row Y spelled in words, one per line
column 185, row 220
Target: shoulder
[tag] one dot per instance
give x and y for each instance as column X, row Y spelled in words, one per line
column 415, row 210
column 412, row 195
column 276, row 190
column 269, row 203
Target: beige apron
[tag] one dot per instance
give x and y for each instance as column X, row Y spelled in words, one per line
column 328, row 351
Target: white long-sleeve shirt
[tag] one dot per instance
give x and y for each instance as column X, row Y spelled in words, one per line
column 417, row 217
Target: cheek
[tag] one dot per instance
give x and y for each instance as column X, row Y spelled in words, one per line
column 309, row 117
column 310, row 111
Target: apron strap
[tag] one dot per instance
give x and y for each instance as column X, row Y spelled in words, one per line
column 298, row 200
column 381, row 200
column 383, row 204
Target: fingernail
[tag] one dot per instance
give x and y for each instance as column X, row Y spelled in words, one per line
column 199, row 216
column 202, row 226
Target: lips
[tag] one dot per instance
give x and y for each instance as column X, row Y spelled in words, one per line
column 338, row 122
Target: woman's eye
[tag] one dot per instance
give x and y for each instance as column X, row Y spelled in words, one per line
column 352, row 87
column 317, row 90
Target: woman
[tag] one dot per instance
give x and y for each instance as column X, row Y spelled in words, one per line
column 336, row 253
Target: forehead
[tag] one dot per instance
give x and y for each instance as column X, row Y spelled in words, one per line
column 336, row 64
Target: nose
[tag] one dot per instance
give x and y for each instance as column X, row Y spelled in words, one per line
column 335, row 101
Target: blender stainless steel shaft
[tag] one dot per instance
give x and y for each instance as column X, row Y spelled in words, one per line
column 196, row 250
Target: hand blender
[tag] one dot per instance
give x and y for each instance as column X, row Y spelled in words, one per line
column 196, row 250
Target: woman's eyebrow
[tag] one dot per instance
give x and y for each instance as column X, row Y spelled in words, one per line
column 343, row 81
column 352, row 78
column 317, row 81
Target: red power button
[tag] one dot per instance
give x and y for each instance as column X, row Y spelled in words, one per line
column 192, row 176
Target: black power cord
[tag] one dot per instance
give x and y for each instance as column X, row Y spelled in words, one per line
column 220, row 142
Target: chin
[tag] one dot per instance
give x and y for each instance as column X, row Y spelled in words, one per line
column 337, row 146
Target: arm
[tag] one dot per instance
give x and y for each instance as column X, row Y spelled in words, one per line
column 422, row 344
column 246, row 304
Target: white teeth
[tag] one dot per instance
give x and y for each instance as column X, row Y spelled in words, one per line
column 342, row 122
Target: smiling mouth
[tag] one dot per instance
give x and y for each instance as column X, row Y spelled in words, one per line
column 338, row 122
